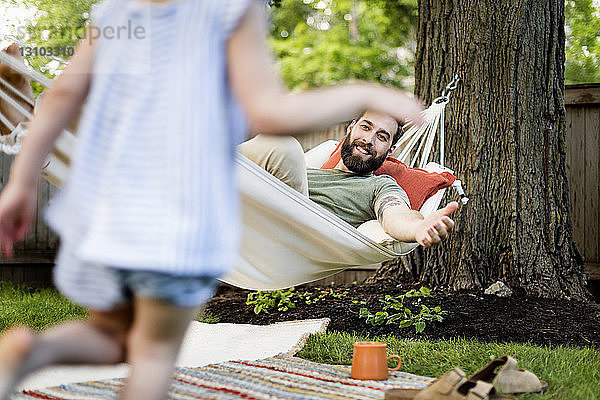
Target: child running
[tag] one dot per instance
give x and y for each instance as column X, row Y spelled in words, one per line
column 148, row 219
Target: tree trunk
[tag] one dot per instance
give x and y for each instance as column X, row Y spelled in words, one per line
column 505, row 139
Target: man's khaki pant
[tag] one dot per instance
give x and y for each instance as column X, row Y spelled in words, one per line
column 281, row 156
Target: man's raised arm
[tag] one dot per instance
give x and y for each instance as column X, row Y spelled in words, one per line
column 406, row 225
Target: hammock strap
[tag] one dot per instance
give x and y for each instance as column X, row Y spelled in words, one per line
column 421, row 137
column 446, row 98
column 415, row 134
column 429, row 139
column 425, row 135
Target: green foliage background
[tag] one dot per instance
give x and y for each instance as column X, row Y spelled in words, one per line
column 311, row 56
column 583, row 41
column 313, row 43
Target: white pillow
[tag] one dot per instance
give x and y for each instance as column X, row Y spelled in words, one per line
column 317, row 156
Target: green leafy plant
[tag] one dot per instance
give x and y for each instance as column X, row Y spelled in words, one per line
column 265, row 301
column 395, row 312
column 309, row 297
column 283, row 300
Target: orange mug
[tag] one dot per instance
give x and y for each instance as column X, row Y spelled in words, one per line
column 369, row 361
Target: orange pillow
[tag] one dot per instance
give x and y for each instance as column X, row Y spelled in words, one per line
column 418, row 184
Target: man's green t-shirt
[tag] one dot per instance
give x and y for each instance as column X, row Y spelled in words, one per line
column 350, row 196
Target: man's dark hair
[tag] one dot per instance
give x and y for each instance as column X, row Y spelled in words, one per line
column 397, row 135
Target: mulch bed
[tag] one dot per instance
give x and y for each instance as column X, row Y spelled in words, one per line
column 471, row 314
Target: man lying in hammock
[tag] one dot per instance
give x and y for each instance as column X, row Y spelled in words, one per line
column 350, row 190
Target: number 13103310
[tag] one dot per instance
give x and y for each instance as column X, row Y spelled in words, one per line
column 57, row 51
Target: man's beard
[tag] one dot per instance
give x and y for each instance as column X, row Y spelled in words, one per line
column 355, row 163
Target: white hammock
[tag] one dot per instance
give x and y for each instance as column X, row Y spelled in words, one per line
column 287, row 239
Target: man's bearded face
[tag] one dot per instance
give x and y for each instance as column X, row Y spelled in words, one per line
column 357, row 163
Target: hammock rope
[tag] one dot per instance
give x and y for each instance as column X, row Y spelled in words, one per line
column 423, row 137
column 425, row 134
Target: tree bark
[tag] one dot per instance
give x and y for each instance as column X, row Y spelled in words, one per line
column 505, row 139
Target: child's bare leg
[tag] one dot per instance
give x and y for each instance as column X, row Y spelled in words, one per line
column 100, row 340
column 15, row 345
column 152, row 347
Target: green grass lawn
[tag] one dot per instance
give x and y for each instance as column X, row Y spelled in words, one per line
column 37, row 309
column 572, row 373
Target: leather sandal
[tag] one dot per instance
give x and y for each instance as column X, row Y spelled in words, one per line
column 451, row 386
column 444, row 383
column 510, row 379
column 465, row 390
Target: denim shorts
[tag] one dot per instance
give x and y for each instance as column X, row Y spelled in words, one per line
column 102, row 288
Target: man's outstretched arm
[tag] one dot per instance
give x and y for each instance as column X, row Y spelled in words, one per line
column 406, row 225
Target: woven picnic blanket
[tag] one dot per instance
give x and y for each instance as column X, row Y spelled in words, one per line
column 279, row 377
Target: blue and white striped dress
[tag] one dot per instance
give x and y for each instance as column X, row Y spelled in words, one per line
column 151, row 185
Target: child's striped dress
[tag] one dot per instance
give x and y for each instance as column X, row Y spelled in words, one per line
column 151, row 183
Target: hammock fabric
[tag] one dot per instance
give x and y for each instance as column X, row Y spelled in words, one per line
column 287, row 239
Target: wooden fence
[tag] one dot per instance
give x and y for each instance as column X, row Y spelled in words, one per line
column 41, row 243
column 583, row 148
column 582, row 103
column 32, row 258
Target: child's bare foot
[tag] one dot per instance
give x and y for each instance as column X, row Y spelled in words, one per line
column 15, row 346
